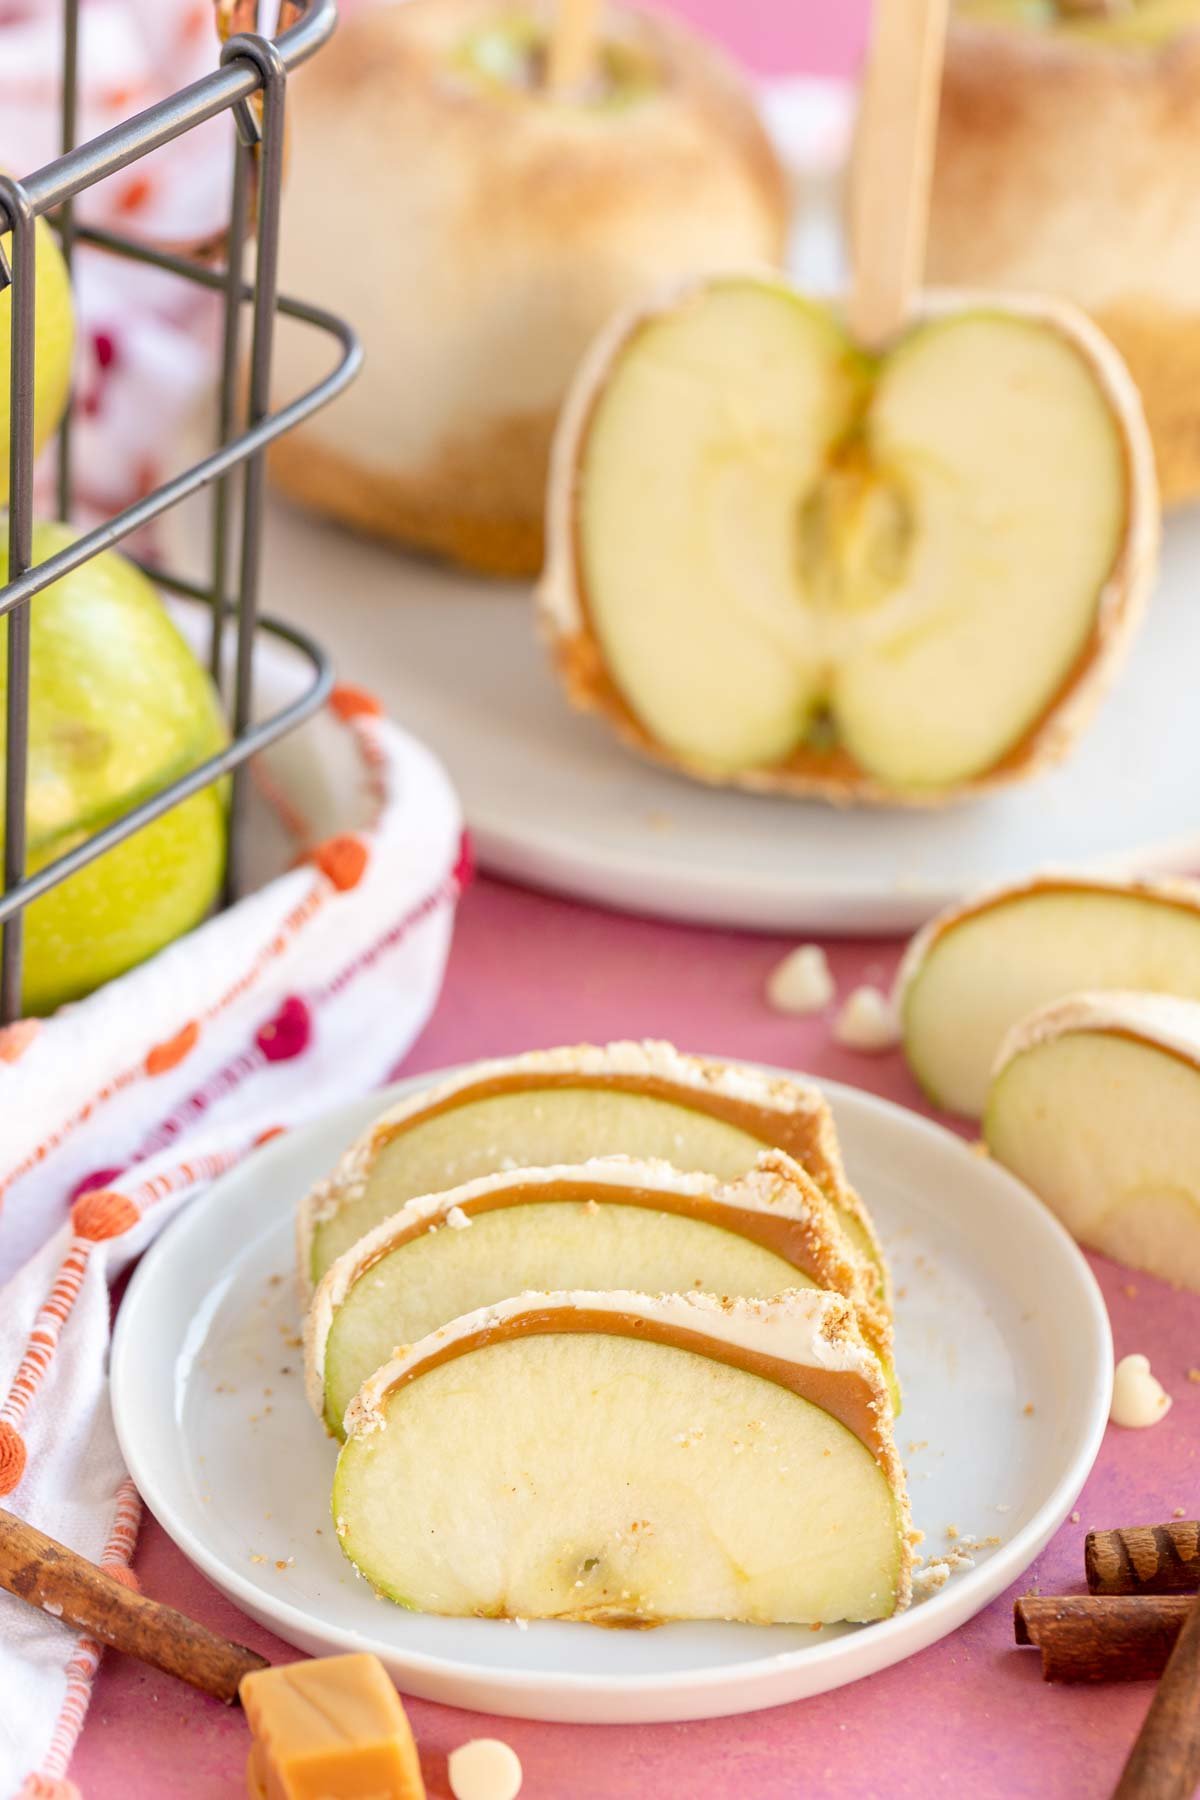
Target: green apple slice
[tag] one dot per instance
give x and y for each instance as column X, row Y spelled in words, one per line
column 975, row 971
column 1096, row 1105
column 622, row 1459
column 567, row 1106
column 615, row 1222
column 779, row 562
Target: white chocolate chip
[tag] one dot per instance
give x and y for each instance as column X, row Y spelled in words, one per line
column 457, row 1219
column 485, row 1769
column 801, row 983
column 867, row 1021
column 1138, row 1396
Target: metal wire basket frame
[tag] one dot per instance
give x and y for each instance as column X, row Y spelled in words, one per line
column 250, row 65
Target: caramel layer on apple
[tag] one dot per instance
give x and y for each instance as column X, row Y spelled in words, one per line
column 803, row 1134
column 1176, row 892
column 841, row 1393
column 798, row 1241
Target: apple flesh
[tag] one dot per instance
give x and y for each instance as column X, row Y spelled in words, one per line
column 779, row 562
column 1146, row 25
column 542, row 1127
column 54, row 338
column 974, row 972
column 608, row 1479
column 118, row 708
column 1096, row 1106
column 596, row 1226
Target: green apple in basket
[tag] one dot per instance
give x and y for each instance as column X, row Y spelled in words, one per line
column 119, row 707
column 54, row 335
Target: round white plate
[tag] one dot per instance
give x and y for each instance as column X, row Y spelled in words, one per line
column 1003, row 1347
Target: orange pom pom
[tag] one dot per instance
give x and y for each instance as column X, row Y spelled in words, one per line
column 47, row 1787
column 354, row 702
column 343, row 859
column 12, row 1457
column 16, row 1038
column 103, row 1213
column 171, row 1054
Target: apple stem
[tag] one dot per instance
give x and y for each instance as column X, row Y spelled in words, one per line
column 572, row 44
column 893, row 164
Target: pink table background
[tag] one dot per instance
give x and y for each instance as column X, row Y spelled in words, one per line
column 970, row 1715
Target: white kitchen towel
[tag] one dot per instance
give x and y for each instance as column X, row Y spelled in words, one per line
column 119, row 1110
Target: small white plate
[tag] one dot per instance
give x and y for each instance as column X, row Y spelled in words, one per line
column 1003, row 1347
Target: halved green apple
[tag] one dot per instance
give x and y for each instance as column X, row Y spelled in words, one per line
column 1096, row 1105
column 779, row 562
column 614, row 1222
column 622, row 1459
column 567, row 1106
column 972, row 973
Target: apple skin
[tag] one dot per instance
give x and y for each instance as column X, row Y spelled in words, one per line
column 54, row 327
column 119, row 707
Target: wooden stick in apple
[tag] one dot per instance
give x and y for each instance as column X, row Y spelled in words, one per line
column 893, row 168
column 572, row 44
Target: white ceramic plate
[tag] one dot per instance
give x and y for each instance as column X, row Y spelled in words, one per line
column 998, row 1312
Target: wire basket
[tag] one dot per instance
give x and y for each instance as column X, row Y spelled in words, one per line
column 250, row 84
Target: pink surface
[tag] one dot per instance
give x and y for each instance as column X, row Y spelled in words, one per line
column 781, row 37
column 969, row 1716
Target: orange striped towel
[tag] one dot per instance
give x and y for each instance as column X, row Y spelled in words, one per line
column 117, row 1111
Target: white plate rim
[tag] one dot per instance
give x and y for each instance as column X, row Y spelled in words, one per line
column 645, row 1697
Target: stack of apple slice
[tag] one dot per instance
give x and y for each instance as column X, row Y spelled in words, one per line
column 645, row 1363
column 1066, row 1011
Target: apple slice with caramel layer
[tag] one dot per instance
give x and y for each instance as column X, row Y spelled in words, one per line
column 614, row 1222
column 1095, row 1103
column 567, row 1106
column 622, row 1459
column 778, row 561
column 973, row 972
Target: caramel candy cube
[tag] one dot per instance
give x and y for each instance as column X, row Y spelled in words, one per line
column 333, row 1727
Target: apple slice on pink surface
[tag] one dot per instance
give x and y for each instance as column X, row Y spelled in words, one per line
column 1096, row 1105
column 781, row 562
column 626, row 1460
column 977, row 970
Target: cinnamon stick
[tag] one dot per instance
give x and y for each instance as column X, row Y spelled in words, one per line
column 1164, row 1763
column 1144, row 1559
column 47, row 1575
column 1094, row 1637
